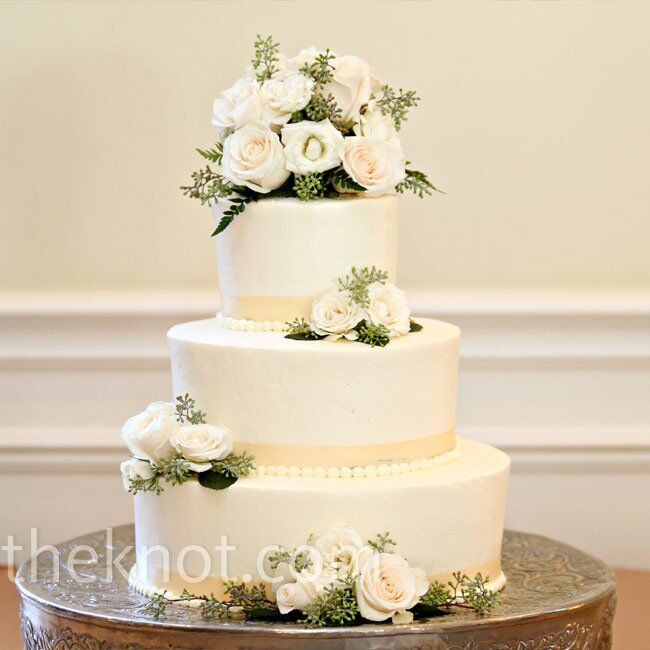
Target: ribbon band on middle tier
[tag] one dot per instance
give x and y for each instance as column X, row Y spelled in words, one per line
column 326, row 456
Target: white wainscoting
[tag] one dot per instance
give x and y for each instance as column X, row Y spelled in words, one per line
column 559, row 381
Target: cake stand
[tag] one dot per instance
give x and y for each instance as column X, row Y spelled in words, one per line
column 557, row 598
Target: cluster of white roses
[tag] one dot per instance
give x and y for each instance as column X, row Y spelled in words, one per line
column 261, row 148
column 385, row 585
column 337, row 314
column 155, row 434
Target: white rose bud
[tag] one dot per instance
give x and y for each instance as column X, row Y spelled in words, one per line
column 202, row 443
column 377, row 126
column 284, row 94
column 147, row 434
column 304, row 591
column 373, row 164
column 389, row 306
column 336, row 315
column 239, row 105
column 387, row 586
column 134, row 468
column 311, row 146
column 253, row 156
column 339, row 547
column 306, row 56
column 350, row 86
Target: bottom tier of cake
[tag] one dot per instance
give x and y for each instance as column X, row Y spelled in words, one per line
column 446, row 519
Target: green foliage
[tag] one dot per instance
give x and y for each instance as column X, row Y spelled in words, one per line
column 373, row 335
column 156, row 606
column 214, row 155
column 299, row 561
column 414, row 327
column 337, row 605
column 141, row 484
column 234, row 465
column 175, row 469
column 215, row 480
column 265, row 57
column 241, row 595
column 358, row 281
column 237, row 206
column 323, row 107
column 397, row 103
column 416, row 182
column 381, row 543
column 310, row 186
column 321, row 70
column 300, row 330
column 462, row 591
column 340, row 178
column 208, row 185
column 186, row 411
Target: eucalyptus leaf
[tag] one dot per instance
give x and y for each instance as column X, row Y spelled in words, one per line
column 215, row 480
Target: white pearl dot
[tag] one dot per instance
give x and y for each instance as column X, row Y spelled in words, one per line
column 307, row 472
column 345, row 472
column 281, row 470
column 404, row 468
column 261, row 470
column 371, row 471
column 333, row 472
column 320, row 472
column 270, row 470
column 266, row 325
column 383, row 470
column 294, row 471
column 359, row 472
column 415, row 465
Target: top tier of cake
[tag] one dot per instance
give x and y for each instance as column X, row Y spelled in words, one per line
column 281, row 254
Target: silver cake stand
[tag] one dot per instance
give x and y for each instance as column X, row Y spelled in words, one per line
column 557, row 598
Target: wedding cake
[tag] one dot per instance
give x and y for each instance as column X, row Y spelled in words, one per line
column 315, row 419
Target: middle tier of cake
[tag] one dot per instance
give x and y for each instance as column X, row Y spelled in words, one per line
column 310, row 407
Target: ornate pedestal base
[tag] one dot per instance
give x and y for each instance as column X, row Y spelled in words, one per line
column 557, row 598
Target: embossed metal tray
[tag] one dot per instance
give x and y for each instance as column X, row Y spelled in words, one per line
column 557, row 598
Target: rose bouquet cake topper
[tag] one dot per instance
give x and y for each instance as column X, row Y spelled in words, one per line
column 316, row 125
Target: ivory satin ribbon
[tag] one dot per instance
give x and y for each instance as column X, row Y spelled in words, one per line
column 261, row 308
column 175, row 583
column 349, row 455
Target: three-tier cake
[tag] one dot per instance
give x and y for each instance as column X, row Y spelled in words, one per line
column 315, row 421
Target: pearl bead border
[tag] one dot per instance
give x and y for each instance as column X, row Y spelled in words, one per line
column 368, row 471
column 244, row 325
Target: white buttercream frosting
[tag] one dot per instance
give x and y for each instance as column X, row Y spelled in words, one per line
column 291, row 251
column 269, row 390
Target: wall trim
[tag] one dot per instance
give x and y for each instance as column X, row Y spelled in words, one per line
column 545, row 336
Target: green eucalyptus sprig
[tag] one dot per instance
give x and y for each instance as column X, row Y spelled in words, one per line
column 462, row 591
column 265, row 57
column 357, row 282
column 396, row 103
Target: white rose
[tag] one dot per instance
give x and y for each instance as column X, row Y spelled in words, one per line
column 389, row 306
column 239, row 105
column 372, row 164
column 147, row 434
column 350, row 86
column 336, row 315
column 387, row 586
column 311, row 146
column 284, row 94
column 374, row 124
column 134, row 468
column 303, row 591
column 306, row 56
column 201, row 444
column 339, row 547
column 253, row 156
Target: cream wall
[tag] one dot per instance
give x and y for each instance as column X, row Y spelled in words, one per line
column 534, row 119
